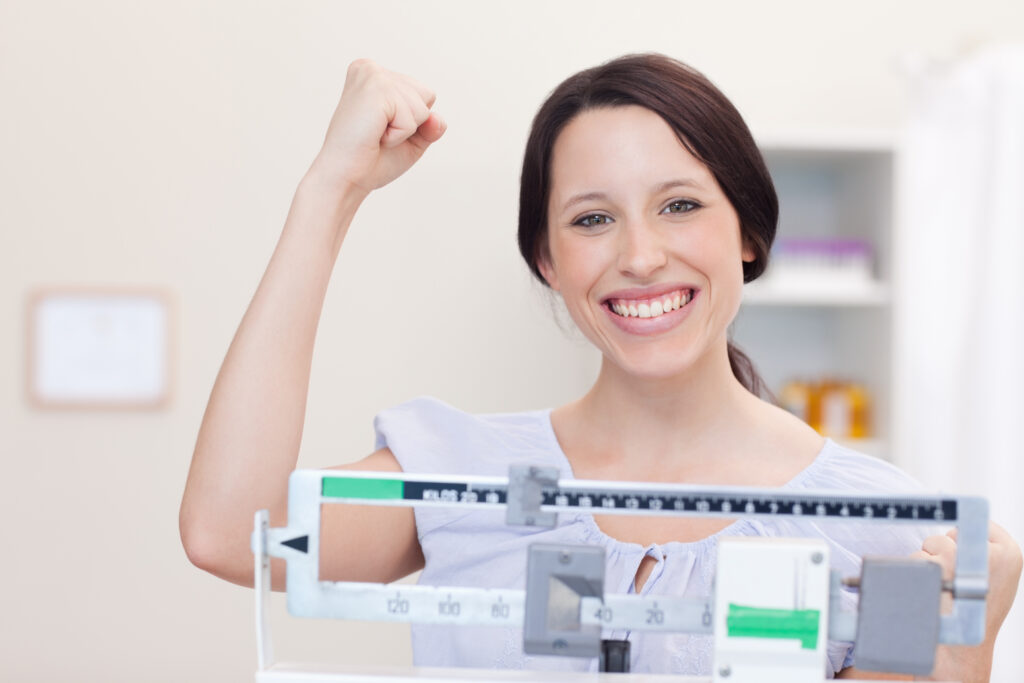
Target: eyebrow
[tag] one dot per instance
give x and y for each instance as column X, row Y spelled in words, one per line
column 667, row 185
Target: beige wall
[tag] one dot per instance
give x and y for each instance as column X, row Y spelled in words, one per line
column 158, row 144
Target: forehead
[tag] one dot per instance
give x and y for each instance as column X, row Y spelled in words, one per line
column 618, row 150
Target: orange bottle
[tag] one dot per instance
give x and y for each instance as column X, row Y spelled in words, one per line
column 796, row 397
column 860, row 420
column 843, row 410
column 835, row 412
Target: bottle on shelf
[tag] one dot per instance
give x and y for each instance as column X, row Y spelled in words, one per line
column 797, row 396
column 834, row 408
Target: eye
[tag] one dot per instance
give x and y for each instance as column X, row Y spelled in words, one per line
column 593, row 220
column 681, row 206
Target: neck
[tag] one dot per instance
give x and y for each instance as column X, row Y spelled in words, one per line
column 673, row 422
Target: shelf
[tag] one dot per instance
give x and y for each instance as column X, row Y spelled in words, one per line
column 823, row 308
column 768, row 293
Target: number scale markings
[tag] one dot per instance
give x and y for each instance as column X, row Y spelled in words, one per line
column 421, row 604
column 504, row 607
column 644, row 499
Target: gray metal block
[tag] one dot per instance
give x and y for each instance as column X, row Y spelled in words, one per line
column 898, row 615
column 525, row 494
column 557, row 578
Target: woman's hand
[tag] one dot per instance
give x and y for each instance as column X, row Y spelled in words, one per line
column 972, row 664
column 381, row 127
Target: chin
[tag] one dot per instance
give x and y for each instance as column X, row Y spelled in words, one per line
column 655, row 366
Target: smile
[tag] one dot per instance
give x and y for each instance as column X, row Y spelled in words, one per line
column 651, row 307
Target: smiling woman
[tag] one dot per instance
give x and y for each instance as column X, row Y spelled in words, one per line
column 703, row 122
column 646, row 206
column 637, row 243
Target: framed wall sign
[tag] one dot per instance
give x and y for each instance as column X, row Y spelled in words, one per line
column 99, row 348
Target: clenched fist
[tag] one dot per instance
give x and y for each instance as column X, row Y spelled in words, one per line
column 381, row 127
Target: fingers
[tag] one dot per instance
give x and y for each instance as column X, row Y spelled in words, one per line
column 944, row 547
column 406, row 102
column 1005, row 564
column 382, row 125
column 429, row 132
column 996, row 534
column 426, row 95
column 411, row 111
column 941, row 550
column 403, row 102
column 938, row 545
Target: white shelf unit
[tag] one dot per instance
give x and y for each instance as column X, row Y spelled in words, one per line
column 837, row 185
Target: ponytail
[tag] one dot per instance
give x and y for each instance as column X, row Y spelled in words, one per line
column 744, row 371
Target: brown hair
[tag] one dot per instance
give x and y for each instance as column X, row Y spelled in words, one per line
column 707, row 124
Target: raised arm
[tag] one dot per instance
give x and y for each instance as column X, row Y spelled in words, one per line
column 249, row 439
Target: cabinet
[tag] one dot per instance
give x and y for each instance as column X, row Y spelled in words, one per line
column 836, row 192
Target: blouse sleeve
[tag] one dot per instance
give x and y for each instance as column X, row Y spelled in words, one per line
column 428, row 436
column 424, row 436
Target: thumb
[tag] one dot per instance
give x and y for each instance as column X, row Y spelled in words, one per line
column 429, row 132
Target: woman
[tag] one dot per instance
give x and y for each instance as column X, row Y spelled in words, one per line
column 646, row 205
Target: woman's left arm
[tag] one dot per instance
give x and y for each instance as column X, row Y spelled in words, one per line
column 970, row 664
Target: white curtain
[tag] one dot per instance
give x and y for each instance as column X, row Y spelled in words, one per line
column 959, row 308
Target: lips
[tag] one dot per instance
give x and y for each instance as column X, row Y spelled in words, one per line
column 650, row 310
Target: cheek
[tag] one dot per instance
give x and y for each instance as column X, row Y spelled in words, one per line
column 575, row 265
column 716, row 254
column 721, row 247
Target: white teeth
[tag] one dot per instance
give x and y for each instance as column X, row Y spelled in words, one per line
column 654, row 308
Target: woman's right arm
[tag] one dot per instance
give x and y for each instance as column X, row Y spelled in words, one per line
column 249, row 440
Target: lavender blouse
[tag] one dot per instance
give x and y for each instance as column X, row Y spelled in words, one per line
column 476, row 548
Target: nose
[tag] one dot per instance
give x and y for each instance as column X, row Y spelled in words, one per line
column 641, row 252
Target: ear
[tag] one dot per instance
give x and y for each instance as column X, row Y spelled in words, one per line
column 748, row 254
column 546, row 269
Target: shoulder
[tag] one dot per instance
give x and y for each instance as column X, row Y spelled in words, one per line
column 428, row 417
column 843, row 468
column 428, row 435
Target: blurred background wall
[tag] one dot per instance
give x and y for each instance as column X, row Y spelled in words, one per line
column 158, row 145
